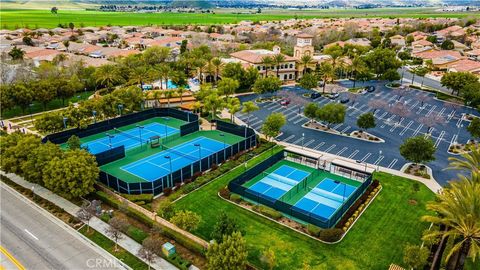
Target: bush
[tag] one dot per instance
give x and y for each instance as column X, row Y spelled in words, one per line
column 331, row 235
column 136, row 234
column 224, row 192
column 236, row 198
column 269, row 212
column 313, row 230
column 140, row 197
column 178, row 261
column 167, row 191
column 214, row 167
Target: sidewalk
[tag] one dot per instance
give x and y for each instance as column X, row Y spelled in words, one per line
column 126, row 242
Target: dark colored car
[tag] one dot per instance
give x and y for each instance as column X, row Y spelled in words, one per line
column 315, row 95
column 370, row 88
column 344, row 100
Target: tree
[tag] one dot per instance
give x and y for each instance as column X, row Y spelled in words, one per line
column 272, row 125
column 164, row 72
column 335, row 51
column 268, row 84
column 420, row 71
column 332, row 113
column 49, row 122
column 278, row 59
column 155, row 55
column 73, row 142
column 228, row 86
column 44, row 92
column 72, row 174
column 248, row 108
column 267, row 61
column 85, row 213
column 218, row 64
column 183, row 46
column 366, row 121
column 22, row 96
column 418, row 149
column 166, row 209
column 456, row 208
column 233, row 106
column 327, row 73
column 180, row 91
column 54, row 10
column 469, row 161
column 391, row 75
column 305, row 61
column 432, row 39
column 380, row 60
column 130, row 97
column 415, row 257
column 16, row 149
column 447, row 45
column 16, row 53
column 150, row 247
column 186, row 220
column 116, row 229
column 357, row 68
column 213, row 103
column 37, row 159
column 230, row 254
column 310, row 111
column 471, row 94
column 268, row 258
column 27, row 41
column 108, row 76
column 308, row 81
column 225, row 226
column 474, row 128
column 71, row 26
column 457, row 80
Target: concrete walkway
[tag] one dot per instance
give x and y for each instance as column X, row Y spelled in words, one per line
column 126, row 242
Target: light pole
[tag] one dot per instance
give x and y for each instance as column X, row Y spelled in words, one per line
column 199, row 154
column 65, row 122
column 379, row 155
column 303, row 139
column 94, row 116
column 109, row 139
column 140, row 131
column 170, row 161
column 224, row 149
column 120, row 108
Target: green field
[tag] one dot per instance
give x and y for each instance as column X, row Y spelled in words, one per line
column 17, row 18
column 375, row 241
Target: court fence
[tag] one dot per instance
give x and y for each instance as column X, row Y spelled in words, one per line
column 186, row 173
column 236, row 186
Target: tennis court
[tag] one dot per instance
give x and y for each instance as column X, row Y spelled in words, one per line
column 279, row 182
column 172, row 159
column 324, row 199
column 130, row 138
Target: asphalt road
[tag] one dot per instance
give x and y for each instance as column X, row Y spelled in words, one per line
column 37, row 242
column 408, row 76
column 390, row 127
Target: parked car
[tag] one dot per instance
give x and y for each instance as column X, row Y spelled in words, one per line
column 285, row 102
column 315, row 95
column 370, row 88
column 344, row 100
column 333, row 95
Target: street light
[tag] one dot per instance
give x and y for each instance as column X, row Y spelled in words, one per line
column 109, row 139
column 120, row 108
column 140, row 131
column 170, row 161
column 224, row 148
column 94, row 116
column 303, row 139
column 379, row 155
column 199, row 154
column 65, row 122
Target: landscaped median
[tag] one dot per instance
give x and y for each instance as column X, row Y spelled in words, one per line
column 376, row 240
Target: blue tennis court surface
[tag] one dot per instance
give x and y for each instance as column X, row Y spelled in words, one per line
column 279, row 182
column 324, row 199
column 158, row 165
column 129, row 138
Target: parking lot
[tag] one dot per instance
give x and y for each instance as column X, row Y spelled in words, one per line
column 447, row 128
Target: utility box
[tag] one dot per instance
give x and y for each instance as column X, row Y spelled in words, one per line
column 168, row 249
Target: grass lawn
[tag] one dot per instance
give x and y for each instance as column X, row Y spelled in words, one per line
column 375, row 241
column 15, row 18
column 107, row 244
column 52, row 105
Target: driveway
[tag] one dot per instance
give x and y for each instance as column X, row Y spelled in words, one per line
column 394, row 129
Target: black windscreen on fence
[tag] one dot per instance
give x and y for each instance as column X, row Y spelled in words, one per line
column 236, row 186
column 189, row 128
column 110, row 155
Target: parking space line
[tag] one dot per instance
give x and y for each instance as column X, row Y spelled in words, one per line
column 459, row 121
column 309, row 142
column 395, row 125
column 394, row 161
column 279, row 109
column 431, row 110
column 441, row 112
column 406, row 128
column 450, row 116
column 298, row 140
column 337, row 126
column 366, row 157
column 417, row 130
column 345, row 129
column 330, row 148
column 353, row 154
column 289, row 138
column 319, row 145
column 341, row 151
column 300, row 120
column 322, row 101
column 439, row 139
column 454, row 139
column 379, row 159
column 415, row 104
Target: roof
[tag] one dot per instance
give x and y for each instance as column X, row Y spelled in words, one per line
column 304, row 35
column 465, row 65
column 256, row 56
column 431, row 54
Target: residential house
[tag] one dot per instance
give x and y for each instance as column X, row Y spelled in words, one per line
column 473, row 55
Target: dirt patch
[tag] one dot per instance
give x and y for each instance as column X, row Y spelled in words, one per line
column 418, row 170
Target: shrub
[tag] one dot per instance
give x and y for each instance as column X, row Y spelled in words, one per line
column 331, row 235
column 269, row 212
column 214, row 167
column 139, row 197
column 224, row 192
column 167, row 191
column 236, row 198
column 313, row 230
column 178, row 261
column 196, row 175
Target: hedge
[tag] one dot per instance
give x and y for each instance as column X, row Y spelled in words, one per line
column 331, row 235
column 267, row 211
column 313, row 230
column 146, row 198
column 179, row 262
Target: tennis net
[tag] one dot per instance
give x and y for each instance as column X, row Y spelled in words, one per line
column 327, row 194
column 123, row 133
column 171, row 150
column 281, row 179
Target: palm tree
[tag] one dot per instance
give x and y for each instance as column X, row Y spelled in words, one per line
column 16, row 53
column 327, row 73
column 138, row 75
column 305, row 61
column 268, row 62
column 357, row 66
column 169, row 94
column 248, row 108
column 66, row 43
column 180, row 92
column 469, row 161
column 278, row 59
column 200, row 64
column 213, row 102
column 458, row 209
column 163, row 72
column 108, row 76
column 59, row 59
column 217, row 64
column 233, row 106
